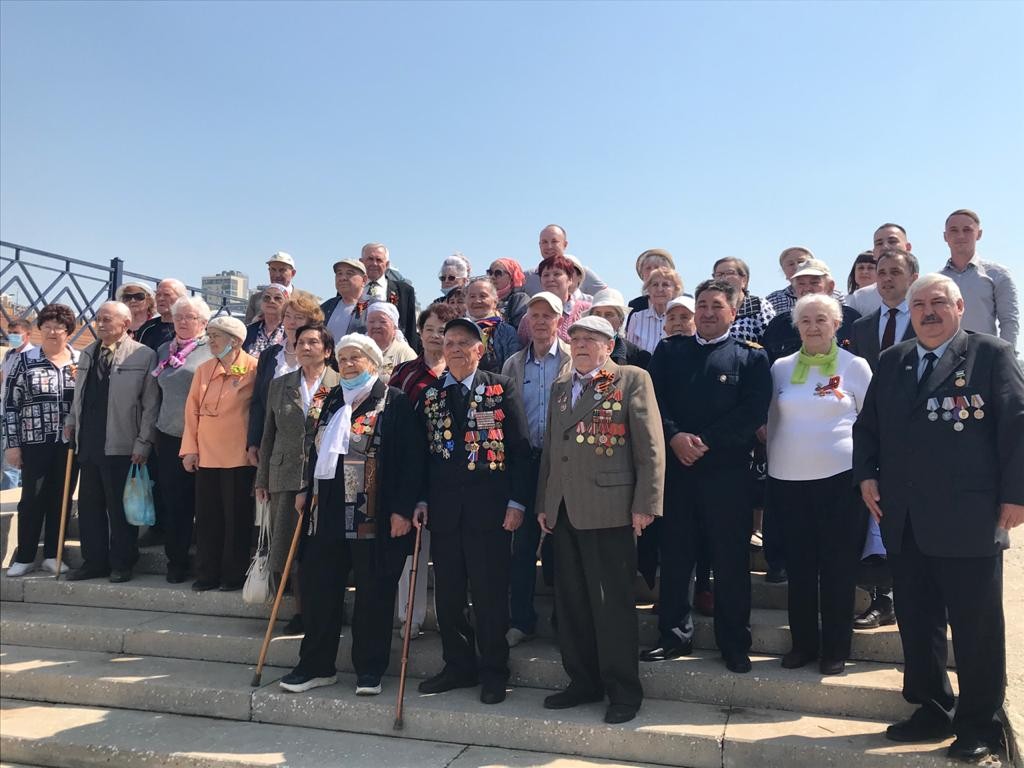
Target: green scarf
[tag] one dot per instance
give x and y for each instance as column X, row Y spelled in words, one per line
column 804, row 362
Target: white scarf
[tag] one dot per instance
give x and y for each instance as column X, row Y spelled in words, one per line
column 334, row 442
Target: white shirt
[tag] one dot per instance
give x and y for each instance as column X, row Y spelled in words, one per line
column 902, row 321
column 382, row 288
column 577, row 383
column 865, row 300
column 646, row 328
column 281, row 364
column 701, row 341
column 307, row 392
column 810, row 435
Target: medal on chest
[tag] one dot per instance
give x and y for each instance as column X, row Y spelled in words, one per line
column 485, row 435
column 600, row 429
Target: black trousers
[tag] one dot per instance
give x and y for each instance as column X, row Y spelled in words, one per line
column 719, row 499
column 480, row 561
column 597, row 626
column 825, row 522
column 326, row 561
column 42, row 488
column 108, row 541
column 178, row 491
column 523, row 576
column 969, row 590
column 224, row 522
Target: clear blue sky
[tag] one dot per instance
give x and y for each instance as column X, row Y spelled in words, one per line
column 191, row 137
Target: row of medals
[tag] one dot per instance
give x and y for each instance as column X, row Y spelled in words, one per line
column 498, row 445
column 604, row 442
column 956, row 407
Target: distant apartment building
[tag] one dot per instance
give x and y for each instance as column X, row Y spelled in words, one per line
column 230, row 284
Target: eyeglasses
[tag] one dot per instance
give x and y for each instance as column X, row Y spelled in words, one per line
column 725, row 273
column 496, row 273
column 133, row 297
column 448, row 278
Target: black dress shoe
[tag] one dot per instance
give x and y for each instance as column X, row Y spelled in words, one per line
column 796, row 659
column 295, row 626
column 570, row 698
column 620, row 713
column 665, row 652
column 739, row 664
column 119, row 577
column 232, row 586
column 776, row 576
column 832, row 666
column 968, row 749
column 203, row 586
column 875, row 616
column 446, row 681
column 923, row 725
column 492, row 693
column 81, row 574
column 176, row 575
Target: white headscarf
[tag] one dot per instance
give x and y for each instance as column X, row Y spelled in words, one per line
column 336, row 435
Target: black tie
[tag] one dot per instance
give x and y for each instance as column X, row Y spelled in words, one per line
column 457, row 393
column 889, row 334
column 106, row 356
column 929, row 366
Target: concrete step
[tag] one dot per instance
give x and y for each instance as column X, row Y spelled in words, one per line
column 867, row 689
column 149, row 592
column 665, row 732
column 60, row 735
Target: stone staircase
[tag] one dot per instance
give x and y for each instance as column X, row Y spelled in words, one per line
column 148, row 673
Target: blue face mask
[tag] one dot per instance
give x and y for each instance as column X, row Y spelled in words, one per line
column 15, row 339
column 223, row 354
column 357, row 382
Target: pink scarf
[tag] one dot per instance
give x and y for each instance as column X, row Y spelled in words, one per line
column 515, row 272
column 178, row 353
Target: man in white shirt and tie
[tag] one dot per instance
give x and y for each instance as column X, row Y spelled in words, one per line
column 381, row 285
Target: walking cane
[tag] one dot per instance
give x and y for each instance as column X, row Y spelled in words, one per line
column 65, row 503
column 277, row 600
column 408, row 629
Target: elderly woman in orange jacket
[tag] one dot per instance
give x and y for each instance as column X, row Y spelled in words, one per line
column 213, row 446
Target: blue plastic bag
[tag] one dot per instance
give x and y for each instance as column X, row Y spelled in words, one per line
column 138, row 497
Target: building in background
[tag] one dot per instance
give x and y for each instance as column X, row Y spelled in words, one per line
column 227, row 284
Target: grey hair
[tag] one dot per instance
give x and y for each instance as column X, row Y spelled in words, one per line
column 460, row 262
column 192, row 302
column 923, row 283
column 804, row 303
column 375, row 246
column 120, row 307
column 176, row 284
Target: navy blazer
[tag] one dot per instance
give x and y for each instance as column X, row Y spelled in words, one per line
column 949, row 483
column 864, row 341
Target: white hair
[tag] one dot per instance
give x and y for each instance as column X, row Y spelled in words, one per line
column 374, row 247
column 120, row 307
column 806, row 303
column 176, row 284
column 192, row 302
column 460, row 262
column 923, row 283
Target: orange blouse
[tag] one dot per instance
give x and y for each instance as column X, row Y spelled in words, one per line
column 217, row 413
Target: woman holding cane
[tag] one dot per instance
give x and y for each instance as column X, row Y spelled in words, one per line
column 366, row 467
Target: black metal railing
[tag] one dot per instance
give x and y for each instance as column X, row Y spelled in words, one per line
column 35, row 278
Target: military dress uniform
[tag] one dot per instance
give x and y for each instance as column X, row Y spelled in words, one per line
column 478, row 463
column 720, row 391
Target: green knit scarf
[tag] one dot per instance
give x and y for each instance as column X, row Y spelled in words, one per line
column 804, row 362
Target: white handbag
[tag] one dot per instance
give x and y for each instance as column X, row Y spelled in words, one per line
column 257, row 578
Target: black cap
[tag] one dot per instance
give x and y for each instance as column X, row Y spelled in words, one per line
column 467, row 324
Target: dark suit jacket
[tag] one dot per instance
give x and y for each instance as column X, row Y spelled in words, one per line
column 476, row 499
column 403, row 296
column 627, row 353
column 261, row 387
column 400, row 465
column 949, row 483
column 781, row 338
column 864, row 340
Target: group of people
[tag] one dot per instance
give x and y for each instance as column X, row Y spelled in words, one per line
column 874, row 431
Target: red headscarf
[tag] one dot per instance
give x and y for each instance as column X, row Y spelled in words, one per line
column 515, row 272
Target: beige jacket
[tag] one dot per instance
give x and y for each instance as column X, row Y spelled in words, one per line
column 601, row 490
column 132, row 404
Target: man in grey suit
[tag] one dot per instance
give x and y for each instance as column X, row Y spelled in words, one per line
column 602, row 478
column 937, row 450
column 113, row 422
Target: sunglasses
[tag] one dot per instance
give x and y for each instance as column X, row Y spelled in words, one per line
column 496, row 273
column 133, row 297
column 447, row 278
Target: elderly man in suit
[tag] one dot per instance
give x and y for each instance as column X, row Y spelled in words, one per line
column 533, row 372
column 344, row 313
column 938, row 453
column 896, row 270
column 113, row 421
column 477, row 479
column 382, row 285
column 602, row 476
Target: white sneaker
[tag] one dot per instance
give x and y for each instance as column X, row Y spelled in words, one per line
column 299, row 683
column 20, row 569
column 515, row 636
column 368, row 688
column 50, row 565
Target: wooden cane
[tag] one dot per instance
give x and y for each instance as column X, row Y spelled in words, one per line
column 65, row 503
column 408, row 630
column 277, row 600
